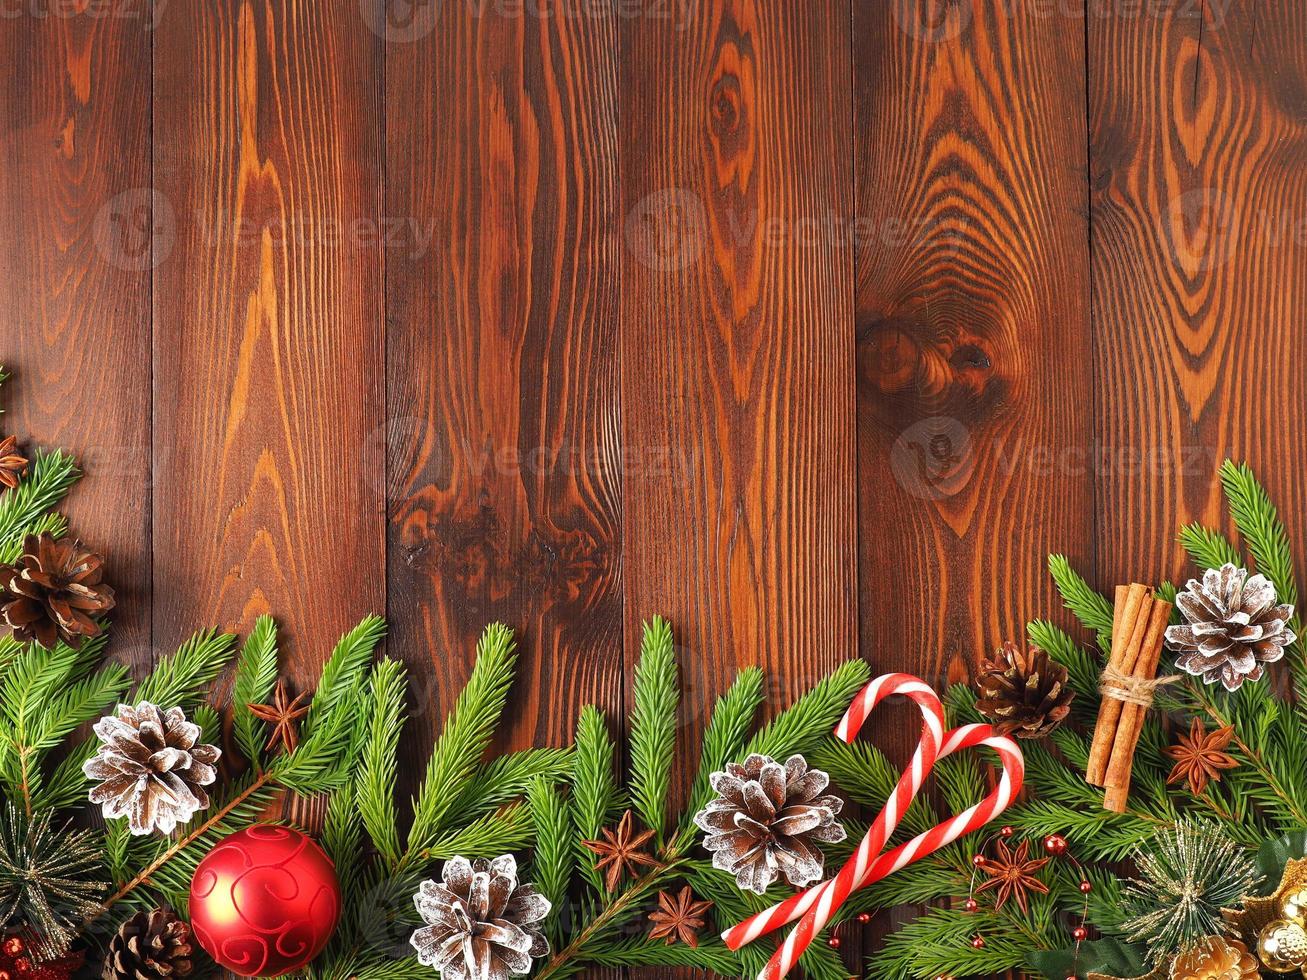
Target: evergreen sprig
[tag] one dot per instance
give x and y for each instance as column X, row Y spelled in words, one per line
column 653, row 725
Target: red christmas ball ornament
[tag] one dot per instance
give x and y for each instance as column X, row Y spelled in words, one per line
column 971, row 905
column 1079, row 933
column 978, row 942
column 264, row 901
column 1086, row 887
column 1055, row 844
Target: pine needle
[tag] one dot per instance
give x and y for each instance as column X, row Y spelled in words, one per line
column 376, row 783
column 1208, row 548
column 555, row 854
column 801, row 727
column 1092, row 609
column 505, row 830
column 728, row 730
column 506, row 778
column 256, row 675
column 594, row 788
column 466, row 737
column 183, row 678
column 24, row 508
column 653, row 725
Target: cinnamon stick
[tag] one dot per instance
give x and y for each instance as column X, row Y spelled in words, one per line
column 1129, row 620
column 1120, row 766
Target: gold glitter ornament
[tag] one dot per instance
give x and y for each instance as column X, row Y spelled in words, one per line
column 1282, row 946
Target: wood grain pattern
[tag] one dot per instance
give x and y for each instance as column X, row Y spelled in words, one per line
column 267, row 323
column 973, row 320
column 737, row 385
column 1199, row 183
column 75, row 258
column 502, row 354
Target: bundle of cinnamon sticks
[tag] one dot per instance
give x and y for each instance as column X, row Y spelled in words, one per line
column 1139, row 623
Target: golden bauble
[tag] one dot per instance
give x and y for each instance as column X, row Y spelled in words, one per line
column 1294, row 906
column 1282, row 946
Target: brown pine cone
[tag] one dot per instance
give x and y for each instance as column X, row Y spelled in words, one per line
column 53, row 592
column 1023, row 693
column 13, row 464
column 1234, row 626
column 767, row 818
column 150, row 946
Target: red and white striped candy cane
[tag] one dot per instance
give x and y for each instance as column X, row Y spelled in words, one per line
column 816, row 905
column 932, row 737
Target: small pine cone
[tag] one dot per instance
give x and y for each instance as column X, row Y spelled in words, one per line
column 13, row 464
column 1233, row 627
column 53, row 592
column 1023, row 693
column 151, row 946
column 481, row 922
column 766, row 820
column 152, row 768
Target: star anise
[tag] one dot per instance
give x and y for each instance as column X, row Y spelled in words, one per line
column 679, row 917
column 13, row 464
column 1012, row 874
column 620, row 852
column 1199, row 757
column 283, row 715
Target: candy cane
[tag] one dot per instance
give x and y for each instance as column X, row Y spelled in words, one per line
column 932, row 736
column 816, row 905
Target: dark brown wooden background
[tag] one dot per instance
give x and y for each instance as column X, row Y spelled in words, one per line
column 812, row 325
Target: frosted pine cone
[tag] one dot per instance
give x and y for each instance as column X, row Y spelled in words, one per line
column 151, row 767
column 766, row 819
column 480, row 924
column 1233, row 627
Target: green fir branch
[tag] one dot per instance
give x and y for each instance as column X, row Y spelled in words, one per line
column 24, row 508
column 1208, row 548
column 653, row 725
column 802, row 726
column 183, row 679
column 594, row 788
column 256, row 675
column 1092, row 609
column 507, row 829
column 507, row 778
column 728, row 731
column 466, row 737
column 375, row 787
column 555, row 852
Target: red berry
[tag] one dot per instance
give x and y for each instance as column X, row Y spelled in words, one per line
column 833, row 942
column 978, row 942
column 977, row 859
column 1086, row 887
column 864, row 917
column 971, row 905
column 1007, row 831
column 1055, row 844
column 23, row 965
column 13, row 946
column 1079, row 933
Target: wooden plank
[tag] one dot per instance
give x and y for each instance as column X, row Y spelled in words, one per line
column 973, row 319
column 75, row 262
column 268, row 323
column 738, row 399
column 502, row 354
column 1199, row 190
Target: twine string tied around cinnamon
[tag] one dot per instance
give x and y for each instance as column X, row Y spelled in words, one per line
column 1112, row 683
